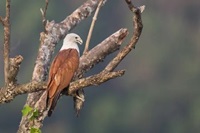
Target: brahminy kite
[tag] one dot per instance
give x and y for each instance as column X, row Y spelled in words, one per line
column 62, row 69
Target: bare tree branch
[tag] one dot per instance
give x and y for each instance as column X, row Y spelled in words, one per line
column 6, row 24
column 93, row 80
column 137, row 25
column 133, row 8
column 44, row 12
column 10, row 92
column 92, row 27
column 11, row 65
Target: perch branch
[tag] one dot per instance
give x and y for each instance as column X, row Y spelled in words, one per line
column 93, row 80
column 92, row 27
column 10, row 92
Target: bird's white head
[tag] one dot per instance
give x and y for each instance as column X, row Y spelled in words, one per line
column 71, row 40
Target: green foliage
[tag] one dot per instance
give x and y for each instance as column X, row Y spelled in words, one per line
column 33, row 114
column 35, row 130
column 26, row 110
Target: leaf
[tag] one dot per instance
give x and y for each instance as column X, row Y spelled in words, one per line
column 26, row 110
column 35, row 130
column 34, row 114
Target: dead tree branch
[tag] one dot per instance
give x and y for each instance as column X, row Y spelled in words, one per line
column 10, row 92
column 93, row 80
column 44, row 12
column 6, row 48
column 92, row 27
column 137, row 25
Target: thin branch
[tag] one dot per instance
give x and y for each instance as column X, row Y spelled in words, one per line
column 133, row 8
column 45, row 9
column 93, row 80
column 44, row 12
column 8, row 93
column 6, row 24
column 92, row 27
column 137, row 24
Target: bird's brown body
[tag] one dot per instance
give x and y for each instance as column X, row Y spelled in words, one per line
column 62, row 70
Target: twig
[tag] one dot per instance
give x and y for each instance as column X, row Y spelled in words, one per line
column 44, row 13
column 6, row 24
column 134, row 8
column 92, row 27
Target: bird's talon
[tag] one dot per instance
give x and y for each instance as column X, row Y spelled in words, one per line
column 80, row 98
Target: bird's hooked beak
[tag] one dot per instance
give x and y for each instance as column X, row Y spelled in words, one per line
column 79, row 41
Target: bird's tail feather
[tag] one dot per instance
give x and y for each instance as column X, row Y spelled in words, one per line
column 51, row 103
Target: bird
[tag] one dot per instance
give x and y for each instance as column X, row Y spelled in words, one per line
column 62, row 69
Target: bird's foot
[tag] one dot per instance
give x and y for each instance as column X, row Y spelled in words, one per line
column 80, row 98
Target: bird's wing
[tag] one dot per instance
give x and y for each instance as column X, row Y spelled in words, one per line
column 62, row 69
column 61, row 72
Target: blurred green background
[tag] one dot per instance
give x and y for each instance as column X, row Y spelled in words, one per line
column 158, row 94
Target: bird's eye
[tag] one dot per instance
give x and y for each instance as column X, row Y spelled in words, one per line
column 76, row 37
